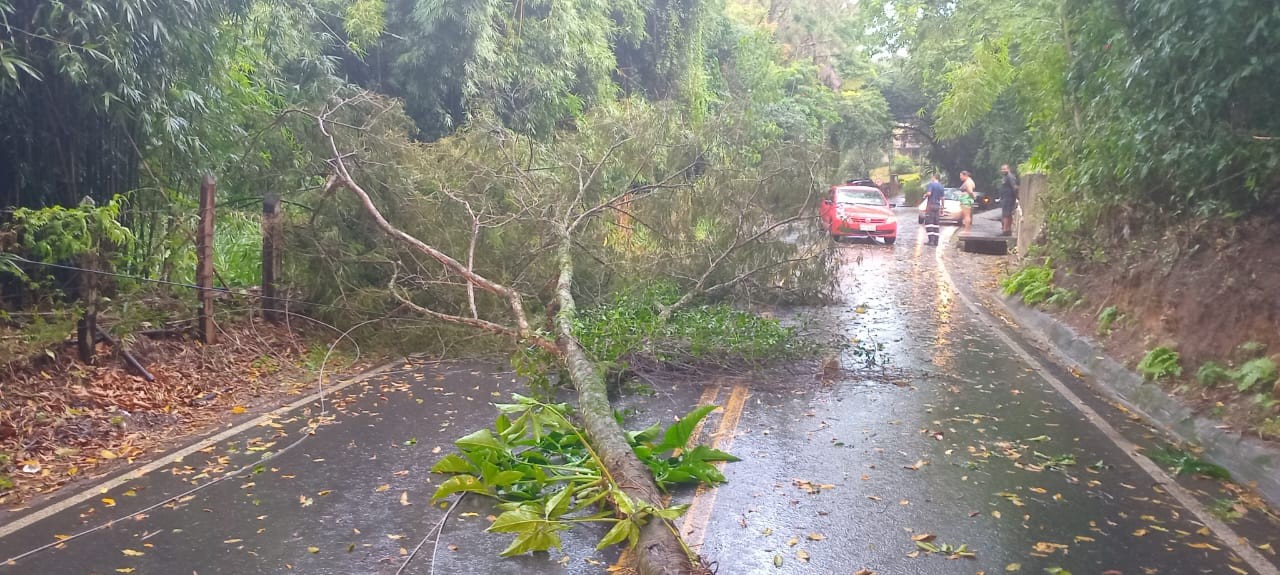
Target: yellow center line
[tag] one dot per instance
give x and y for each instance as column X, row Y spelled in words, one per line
column 708, row 397
column 694, row 529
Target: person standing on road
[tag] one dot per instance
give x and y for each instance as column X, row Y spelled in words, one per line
column 1008, row 200
column 933, row 194
column 967, row 196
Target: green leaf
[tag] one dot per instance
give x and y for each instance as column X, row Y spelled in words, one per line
column 459, row 484
column 481, row 439
column 704, row 453
column 535, row 540
column 521, row 518
column 678, row 434
column 453, row 463
column 625, row 504
column 621, row 531
column 558, row 505
column 505, row 478
column 672, row 513
column 645, row 435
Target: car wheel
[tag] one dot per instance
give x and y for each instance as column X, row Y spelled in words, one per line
column 836, row 239
column 889, row 241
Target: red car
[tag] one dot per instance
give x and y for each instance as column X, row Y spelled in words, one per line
column 859, row 212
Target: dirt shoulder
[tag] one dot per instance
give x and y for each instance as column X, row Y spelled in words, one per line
column 64, row 422
column 1210, row 294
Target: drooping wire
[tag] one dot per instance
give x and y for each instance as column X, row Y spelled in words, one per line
column 438, row 529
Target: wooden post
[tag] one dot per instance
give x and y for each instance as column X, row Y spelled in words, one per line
column 204, row 260
column 270, row 256
column 87, row 327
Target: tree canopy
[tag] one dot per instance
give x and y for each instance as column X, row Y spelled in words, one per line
column 1152, row 105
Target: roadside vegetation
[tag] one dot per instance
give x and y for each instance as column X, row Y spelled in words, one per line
column 493, row 177
column 1163, row 177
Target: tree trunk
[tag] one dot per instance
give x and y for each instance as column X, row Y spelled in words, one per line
column 659, row 551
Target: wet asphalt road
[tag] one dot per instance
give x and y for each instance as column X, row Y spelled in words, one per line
column 936, row 430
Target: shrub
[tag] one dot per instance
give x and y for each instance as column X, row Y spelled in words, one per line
column 1106, row 318
column 903, row 165
column 1035, row 284
column 1212, row 373
column 1160, row 363
column 631, row 324
column 1253, row 372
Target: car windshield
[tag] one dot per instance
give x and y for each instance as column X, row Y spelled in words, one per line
column 952, row 194
column 861, row 197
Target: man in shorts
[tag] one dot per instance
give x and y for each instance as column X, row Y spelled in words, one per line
column 933, row 194
column 1008, row 200
column 967, row 196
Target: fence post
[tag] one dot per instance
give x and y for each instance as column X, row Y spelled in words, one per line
column 87, row 327
column 270, row 256
column 204, row 260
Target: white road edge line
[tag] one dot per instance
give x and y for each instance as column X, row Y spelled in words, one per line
column 168, row 458
column 1224, row 532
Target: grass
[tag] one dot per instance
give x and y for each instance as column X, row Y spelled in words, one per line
column 630, row 325
column 1181, row 463
column 1211, row 373
column 1035, row 285
column 1225, row 509
column 1253, row 372
column 1107, row 318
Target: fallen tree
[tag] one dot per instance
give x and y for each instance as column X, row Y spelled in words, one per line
column 655, row 176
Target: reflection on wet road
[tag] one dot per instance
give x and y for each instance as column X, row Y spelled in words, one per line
column 953, row 440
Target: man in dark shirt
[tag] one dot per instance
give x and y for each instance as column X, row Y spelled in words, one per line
column 933, row 194
column 1008, row 200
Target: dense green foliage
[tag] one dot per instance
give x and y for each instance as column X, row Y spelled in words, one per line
column 630, row 325
column 1035, row 286
column 1160, row 363
column 718, row 110
column 1139, row 110
column 538, row 464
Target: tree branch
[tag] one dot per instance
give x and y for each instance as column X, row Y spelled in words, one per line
column 483, row 325
column 665, row 312
column 623, row 198
column 343, row 177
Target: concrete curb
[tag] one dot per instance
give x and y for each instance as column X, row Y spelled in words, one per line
column 1248, row 459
